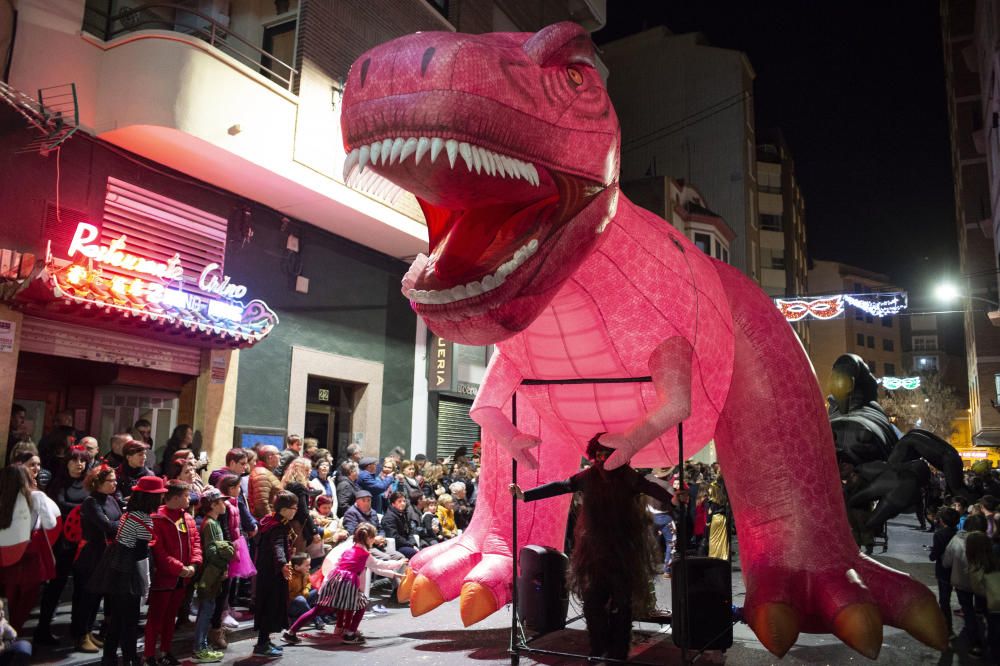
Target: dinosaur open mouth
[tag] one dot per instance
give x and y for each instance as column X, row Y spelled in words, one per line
column 489, row 215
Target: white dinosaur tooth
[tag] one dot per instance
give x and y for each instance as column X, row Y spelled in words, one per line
column 374, row 152
column 466, row 152
column 350, row 163
column 522, row 168
column 423, row 145
column 437, row 143
column 497, row 164
column 506, row 269
column 397, row 148
column 474, row 288
column 411, row 293
column 488, row 163
column 508, row 165
column 489, row 283
column 386, row 147
column 458, row 293
column 452, row 147
column 533, row 245
column 477, row 158
column 534, row 174
column 409, row 147
column 363, row 158
column 421, row 296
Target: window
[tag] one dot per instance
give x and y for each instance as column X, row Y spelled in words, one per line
column 925, row 364
column 869, row 319
column 778, row 259
column 887, row 322
column 996, row 383
column 871, row 366
column 861, row 339
column 279, row 42
column 725, row 255
column 770, row 222
column 890, row 369
column 718, row 250
column 887, row 345
column 871, row 342
column 703, row 242
column 924, row 342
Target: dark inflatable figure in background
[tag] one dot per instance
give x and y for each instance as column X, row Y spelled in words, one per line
column 892, row 468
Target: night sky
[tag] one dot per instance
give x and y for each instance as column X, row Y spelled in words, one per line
column 858, row 90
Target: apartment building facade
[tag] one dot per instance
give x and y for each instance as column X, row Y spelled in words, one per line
column 230, row 111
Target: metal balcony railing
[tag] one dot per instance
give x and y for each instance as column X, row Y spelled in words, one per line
column 108, row 25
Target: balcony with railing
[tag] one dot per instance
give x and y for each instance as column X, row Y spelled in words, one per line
column 102, row 20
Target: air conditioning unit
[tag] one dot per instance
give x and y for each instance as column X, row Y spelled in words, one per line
column 591, row 14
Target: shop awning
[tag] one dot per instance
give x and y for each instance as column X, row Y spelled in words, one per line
column 82, row 294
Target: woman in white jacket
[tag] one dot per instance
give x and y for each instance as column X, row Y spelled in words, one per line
column 954, row 557
column 25, row 562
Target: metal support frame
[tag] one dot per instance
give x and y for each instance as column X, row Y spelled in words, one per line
column 518, row 642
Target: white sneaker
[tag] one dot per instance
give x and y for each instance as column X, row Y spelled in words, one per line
column 379, row 609
column 229, row 622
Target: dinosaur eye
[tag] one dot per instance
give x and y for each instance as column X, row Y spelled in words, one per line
column 575, row 77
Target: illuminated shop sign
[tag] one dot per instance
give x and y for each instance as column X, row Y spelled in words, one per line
column 881, row 304
column 158, row 293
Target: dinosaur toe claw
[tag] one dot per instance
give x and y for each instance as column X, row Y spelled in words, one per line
column 406, row 586
column 776, row 626
column 859, row 625
column 924, row 621
column 477, row 602
column 425, row 596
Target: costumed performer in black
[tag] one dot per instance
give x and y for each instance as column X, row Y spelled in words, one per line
column 613, row 554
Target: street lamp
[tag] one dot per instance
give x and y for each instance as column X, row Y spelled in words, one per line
column 947, row 292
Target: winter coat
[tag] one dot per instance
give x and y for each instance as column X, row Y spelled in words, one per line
column 127, row 477
column 264, row 486
column 954, row 559
column 273, row 553
column 447, row 519
column 99, row 516
column 217, row 554
column 942, row 538
column 354, row 517
column 176, row 545
column 345, row 495
column 396, row 526
column 376, row 485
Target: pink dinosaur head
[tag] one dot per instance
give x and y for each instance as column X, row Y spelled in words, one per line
column 511, row 146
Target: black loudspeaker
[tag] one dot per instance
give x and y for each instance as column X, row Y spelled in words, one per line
column 704, row 620
column 543, row 600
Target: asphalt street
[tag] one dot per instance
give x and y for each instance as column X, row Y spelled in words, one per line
column 439, row 638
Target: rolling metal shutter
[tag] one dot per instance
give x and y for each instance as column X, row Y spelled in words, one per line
column 454, row 426
column 157, row 227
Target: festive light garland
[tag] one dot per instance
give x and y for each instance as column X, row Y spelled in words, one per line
column 883, row 304
column 896, row 383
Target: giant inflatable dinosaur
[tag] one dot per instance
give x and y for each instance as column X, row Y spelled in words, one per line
column 511, row 145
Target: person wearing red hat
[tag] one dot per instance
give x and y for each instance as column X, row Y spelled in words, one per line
column 176, row 558
column 122, row 574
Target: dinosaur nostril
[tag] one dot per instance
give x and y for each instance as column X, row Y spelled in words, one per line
column 426, row 60
column 364, row 70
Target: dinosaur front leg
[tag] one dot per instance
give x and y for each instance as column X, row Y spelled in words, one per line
column 670, row 368
column 501, row 380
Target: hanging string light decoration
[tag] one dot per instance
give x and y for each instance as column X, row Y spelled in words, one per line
column 883, row 304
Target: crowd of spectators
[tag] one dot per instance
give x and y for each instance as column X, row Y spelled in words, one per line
column 260, row 537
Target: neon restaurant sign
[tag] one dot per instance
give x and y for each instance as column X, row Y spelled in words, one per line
column 153, row 290
column 881, row 304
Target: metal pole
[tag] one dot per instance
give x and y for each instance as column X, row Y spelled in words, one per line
column 682, row 552
column 515, row 656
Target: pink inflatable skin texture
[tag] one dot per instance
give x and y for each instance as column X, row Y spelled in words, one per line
column 533, row 248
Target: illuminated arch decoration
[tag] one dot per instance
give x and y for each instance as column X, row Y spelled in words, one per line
column 884, row 304
column 511, row 146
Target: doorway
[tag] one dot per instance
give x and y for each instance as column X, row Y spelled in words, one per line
column 330, row 413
